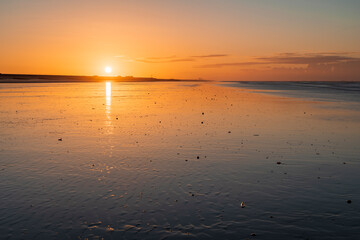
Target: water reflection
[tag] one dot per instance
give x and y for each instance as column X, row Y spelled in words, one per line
column 108, row 122
column 108, row 95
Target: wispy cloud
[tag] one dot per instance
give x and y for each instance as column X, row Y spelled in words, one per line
column 160, row 58
column 333, row 53
column 210, row 56
column 170, row 59
column 147, row 60
column 124, row 58
column 307, row 59
column 231, row 64
column 291, row 59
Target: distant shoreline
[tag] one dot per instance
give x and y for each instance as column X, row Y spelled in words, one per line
column 38, row 78
column 33, row 78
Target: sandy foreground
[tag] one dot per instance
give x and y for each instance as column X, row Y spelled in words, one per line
column 176, row 160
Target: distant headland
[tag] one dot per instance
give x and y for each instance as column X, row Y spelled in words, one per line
column 33, row 78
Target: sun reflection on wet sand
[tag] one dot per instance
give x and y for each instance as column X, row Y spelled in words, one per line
column 108, row 96
column 108, row 122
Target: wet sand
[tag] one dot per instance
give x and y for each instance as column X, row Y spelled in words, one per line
column 176, row 160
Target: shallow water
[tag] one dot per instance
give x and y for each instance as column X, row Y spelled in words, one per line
column 317, row 91
column 175, row 161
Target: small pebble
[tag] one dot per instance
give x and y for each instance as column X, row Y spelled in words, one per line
column 253, row 234
column 109, row 229
column 278, row 162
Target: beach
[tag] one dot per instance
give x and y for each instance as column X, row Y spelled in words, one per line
column 179, row 160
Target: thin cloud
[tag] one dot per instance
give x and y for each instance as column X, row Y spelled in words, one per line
column 334, row 53
column 124, row 58
column 170, row 59
column 311, row 59
column 232, row 64
column 210, row 56
column 290, row 59
column 160, row 58
column 166, row 61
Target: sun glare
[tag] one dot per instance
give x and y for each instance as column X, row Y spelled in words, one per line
column 108, row 69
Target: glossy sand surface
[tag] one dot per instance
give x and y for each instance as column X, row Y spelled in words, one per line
column 175, row 161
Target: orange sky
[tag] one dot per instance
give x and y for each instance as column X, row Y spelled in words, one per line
column 221, row 40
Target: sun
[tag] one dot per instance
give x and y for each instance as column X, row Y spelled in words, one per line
column 108, row 69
